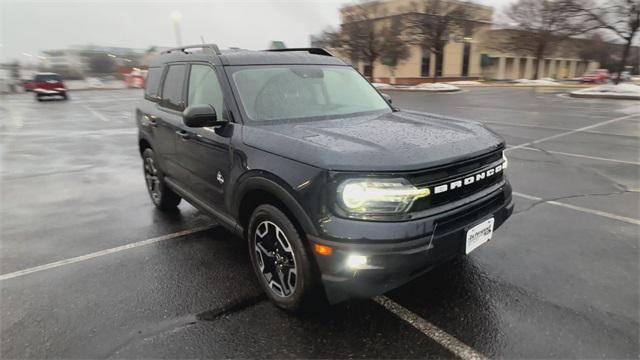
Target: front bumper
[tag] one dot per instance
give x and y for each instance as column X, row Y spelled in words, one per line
column 402, row 256
column 50, row 92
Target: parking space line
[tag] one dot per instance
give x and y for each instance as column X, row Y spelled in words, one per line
column 502, row 123
column 521, row 111
column 572, row 131
column 581, row 156
column 100, row 253
column 581, row 209
column 449, row 342
column 95, row 113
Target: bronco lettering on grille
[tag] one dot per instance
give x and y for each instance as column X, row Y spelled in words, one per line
column 467, row 180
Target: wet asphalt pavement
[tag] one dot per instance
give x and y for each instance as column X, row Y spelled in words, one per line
column 558, row 280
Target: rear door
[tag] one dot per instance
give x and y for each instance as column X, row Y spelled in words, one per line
column 167, row 118
column 204, row 152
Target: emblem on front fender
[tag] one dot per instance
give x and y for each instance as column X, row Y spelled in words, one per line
column 220, row 178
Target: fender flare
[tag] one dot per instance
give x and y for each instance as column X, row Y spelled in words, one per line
column 272, row 184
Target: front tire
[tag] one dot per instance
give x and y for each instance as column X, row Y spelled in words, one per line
column 281, row 261
column 161, row 195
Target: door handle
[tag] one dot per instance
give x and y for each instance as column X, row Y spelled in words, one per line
column 183, row 134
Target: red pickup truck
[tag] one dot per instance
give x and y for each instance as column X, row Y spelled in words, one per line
column 48, row 84
column 597, row 76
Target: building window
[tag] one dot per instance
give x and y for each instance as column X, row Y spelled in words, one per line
column 368, row 70
column 439, row 61
column 466, row 54
column 425, row 64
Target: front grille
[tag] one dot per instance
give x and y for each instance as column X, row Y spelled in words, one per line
column 433, row 177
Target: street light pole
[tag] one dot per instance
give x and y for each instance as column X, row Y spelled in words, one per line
column 176, row 17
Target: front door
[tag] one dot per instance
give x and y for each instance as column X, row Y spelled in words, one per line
column 204, row 152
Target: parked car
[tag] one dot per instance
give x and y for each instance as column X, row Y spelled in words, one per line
column 135, row 79
column 49, row 84
column 338, row 193
column 597, row 76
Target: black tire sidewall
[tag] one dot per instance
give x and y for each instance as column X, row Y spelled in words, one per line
column 306, row 284
column 168, row 199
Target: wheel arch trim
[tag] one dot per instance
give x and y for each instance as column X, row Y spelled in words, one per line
column 271, row 184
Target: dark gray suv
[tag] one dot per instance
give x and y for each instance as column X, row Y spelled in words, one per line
column 338, row 193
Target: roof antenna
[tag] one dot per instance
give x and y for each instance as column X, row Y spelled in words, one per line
column 202, row 39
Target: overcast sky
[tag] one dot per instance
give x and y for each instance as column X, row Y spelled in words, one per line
column 28, row 26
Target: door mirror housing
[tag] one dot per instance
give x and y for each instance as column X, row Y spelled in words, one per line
column 197, row 116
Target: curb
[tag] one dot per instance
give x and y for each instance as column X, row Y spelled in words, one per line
column 604, row 96
column 425, row 91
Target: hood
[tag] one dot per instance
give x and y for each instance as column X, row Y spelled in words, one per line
column 396, row 141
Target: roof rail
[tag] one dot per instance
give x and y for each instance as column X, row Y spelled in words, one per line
column 314, row 51
column 209, row 47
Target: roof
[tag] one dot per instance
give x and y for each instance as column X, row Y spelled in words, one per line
column 248, row 57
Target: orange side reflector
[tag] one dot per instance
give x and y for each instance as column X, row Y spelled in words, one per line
column 323, row 250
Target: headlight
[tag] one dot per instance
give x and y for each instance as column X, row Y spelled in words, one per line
column 505, row 161
column 378, row 196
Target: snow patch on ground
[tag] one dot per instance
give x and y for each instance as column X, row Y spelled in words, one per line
column 465, row 83
column 381, row 86
column 538, row 82
column 626, row 91
column 434, row 87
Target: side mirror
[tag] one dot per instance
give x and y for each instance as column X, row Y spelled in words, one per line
column 201, row 116
column 387, row 97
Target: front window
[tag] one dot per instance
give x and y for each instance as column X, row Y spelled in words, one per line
column 282, row 92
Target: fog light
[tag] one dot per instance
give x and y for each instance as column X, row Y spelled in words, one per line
column 356, row 261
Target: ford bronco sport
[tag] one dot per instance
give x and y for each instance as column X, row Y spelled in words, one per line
column 338, row 193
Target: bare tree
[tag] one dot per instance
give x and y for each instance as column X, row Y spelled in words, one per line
column 359, row 35
column 368, row 36
column 394, row 47
column 535, row 28
column 432, row 23
column 594, row 47
column 329, row 38
column 620, row 18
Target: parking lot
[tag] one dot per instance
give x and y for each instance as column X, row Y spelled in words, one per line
column 89, row 268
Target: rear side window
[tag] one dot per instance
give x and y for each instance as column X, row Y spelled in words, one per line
column 173, row 86
column 153, row 83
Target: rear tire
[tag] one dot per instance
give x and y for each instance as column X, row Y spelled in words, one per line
column 282, row 262
column 162, row 196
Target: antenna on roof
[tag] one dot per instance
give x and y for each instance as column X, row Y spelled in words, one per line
column 202, row 39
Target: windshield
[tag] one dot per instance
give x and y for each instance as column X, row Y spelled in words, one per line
column 47, row 77
column 282, row 92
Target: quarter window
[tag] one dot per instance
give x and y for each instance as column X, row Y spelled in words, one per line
column 172, row 88
column 153, row 83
